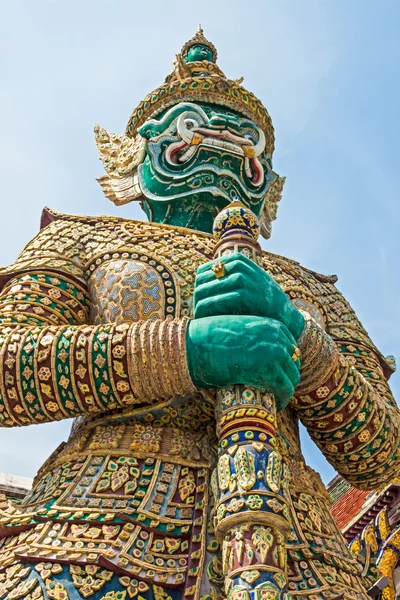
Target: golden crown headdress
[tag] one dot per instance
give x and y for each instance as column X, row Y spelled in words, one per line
column 202, row 81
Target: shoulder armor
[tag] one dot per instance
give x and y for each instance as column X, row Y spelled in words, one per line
column 324, row 278
column 69, row 243
column 318, row 294
column 49, row 215
column 56, row 247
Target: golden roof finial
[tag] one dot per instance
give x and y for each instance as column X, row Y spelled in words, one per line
column 199, row 38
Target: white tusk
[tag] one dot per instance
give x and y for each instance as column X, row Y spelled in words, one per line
column 260, row 146
column 188, row 154
column 183, row 131
column 247, row 168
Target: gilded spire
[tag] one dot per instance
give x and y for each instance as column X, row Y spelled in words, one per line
column 199, row 39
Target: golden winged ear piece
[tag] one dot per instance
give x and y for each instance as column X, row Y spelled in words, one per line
column 121, row 156
column 270, row 206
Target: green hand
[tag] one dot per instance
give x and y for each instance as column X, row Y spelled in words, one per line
column 236, row 349
column 246, row 289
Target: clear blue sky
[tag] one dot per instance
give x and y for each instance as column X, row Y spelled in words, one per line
column 328, row 72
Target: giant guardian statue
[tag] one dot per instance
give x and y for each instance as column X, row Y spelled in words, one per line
column 186, row 356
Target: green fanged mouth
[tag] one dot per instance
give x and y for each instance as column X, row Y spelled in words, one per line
column 194, row 135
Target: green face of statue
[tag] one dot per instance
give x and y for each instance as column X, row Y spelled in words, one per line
column 199, row 157
column 199, row 52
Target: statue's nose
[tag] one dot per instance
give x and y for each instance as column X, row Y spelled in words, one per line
column 224, row 122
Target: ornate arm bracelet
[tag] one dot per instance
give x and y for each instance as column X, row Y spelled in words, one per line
column 319, row 357
column 158, row 367
column 353, row 426
column 51, row 373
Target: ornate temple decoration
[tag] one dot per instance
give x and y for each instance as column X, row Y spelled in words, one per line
column 166, row 489
column 377, row 548
column 370, row 523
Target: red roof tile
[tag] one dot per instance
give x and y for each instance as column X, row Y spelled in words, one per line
column 348, row 506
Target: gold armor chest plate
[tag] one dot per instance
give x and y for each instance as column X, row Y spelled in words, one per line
column 126, row 291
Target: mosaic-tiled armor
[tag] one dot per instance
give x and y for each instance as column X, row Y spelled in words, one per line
column 95, row 313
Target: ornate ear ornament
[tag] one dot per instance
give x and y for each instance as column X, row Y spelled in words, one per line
column 121, row 155
column 270, row 206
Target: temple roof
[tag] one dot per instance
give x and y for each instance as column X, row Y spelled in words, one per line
column 348, row 506
column 353, row 509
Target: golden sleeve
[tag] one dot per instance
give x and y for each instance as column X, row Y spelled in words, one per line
column 55, row 365
column 346, row 405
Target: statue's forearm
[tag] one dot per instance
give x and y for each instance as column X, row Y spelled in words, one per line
column 354, row 426
column 50, row 372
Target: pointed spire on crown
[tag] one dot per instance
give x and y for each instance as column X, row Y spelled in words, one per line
column 199, row 40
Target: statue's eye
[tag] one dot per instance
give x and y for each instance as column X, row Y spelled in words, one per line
column 190, row 123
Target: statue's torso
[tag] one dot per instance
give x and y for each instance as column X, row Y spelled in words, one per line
column 127, row 496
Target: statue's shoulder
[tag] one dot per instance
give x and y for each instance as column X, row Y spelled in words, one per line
column 288, row 271
column 71, row 243
column 79, row 224
column 107, row 227
column 60, row 245
column 318, row 294
column 308, row 290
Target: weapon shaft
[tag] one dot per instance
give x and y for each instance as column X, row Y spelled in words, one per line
column 251, row 515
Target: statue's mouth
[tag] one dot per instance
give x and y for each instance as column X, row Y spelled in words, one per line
column 224, row 140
